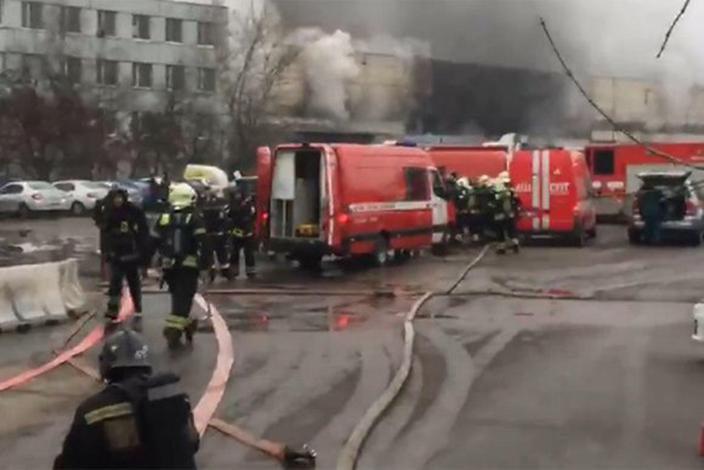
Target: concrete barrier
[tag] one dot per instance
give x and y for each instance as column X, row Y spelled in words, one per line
column 39, row 293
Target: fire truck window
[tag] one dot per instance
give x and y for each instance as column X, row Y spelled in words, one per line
column 417, row 185
column 604, row 162
column 438, row 185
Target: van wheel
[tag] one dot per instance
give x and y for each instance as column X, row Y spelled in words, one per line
column 381, row 257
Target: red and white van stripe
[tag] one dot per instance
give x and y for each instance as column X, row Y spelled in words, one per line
column 541, row 190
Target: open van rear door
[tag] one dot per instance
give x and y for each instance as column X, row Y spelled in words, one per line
column 264, row 175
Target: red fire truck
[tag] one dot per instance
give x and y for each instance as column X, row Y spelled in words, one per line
column 349, row 200
column 554, row 188
column 615, row 169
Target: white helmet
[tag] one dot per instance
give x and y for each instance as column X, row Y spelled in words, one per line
column 484, row 180
column 504, row 177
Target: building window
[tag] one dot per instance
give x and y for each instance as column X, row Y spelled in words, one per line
column 174, row 30
column 107, row 23
column 70, row 19
column 32, row 15
column 73, row 69
column 107, row 72
column 175, row 77
column 206, row 79
column 604, row 162
column 2, row 10
column 141, row 75
column 33, row 66
column 205, row 34
column 140, row 27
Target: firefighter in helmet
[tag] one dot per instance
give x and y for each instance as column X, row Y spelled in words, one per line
column 138, row 420
column 462, row 196
column 215, row 217
column 483, row 211
column 126, row 233
column 506, row 209
column 180, row 237
column 242, row 215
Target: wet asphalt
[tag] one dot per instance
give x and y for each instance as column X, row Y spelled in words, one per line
column 609, row 381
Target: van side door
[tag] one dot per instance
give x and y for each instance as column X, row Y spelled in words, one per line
column 439, row 204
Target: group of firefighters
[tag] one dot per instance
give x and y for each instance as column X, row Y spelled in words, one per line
column 191, row 233
column 144, row 420
column 486, row 207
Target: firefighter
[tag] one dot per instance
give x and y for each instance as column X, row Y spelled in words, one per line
column 138, row 420
column 510, row 206
column 474, row 213
column 126, row 244
column 462, row 195
column 483, row 212
column 215, row 218
column 99, row 220
column 652, row 204
column 242, row 216
column 180, row 237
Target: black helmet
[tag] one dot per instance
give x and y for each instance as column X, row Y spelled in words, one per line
column 125, row 349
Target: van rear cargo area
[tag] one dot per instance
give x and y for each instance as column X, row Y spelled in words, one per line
column 296, row 194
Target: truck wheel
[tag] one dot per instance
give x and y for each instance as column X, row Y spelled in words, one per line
column 310, row 263
column 579, row 237
column 380, row 257
column 634, row 237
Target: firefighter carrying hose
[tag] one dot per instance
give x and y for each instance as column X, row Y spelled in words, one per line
column 242, row 217
column 138, row 420
column 506, row 207
column 215, row 219
column 180, row 239
column 126, row 234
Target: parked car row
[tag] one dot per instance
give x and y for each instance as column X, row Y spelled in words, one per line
column 27, row 197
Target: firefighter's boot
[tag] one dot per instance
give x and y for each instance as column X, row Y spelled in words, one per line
column 137, row 322
column 251, row 273
column 227, row 273
column 501, row 248
column 515, row 245
column 213, row 275
column 190, row 330
column 173, row 337
column 113, row 309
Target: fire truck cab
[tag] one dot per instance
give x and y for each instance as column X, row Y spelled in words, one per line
column 349, row 200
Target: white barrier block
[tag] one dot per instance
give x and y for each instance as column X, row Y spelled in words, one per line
column 70, row 286
column 32, row 294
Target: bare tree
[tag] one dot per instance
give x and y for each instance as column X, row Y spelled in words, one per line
column 256, row 58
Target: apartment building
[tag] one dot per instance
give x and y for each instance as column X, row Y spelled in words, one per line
column 128, row 55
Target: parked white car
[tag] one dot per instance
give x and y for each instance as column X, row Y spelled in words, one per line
column 83, row 194
column 24, row 197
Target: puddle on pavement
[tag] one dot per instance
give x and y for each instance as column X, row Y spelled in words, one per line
column 23, row 249
column 332, row 315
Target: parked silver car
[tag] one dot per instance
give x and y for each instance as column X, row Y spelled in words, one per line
column 24, row 197
column 83, row 194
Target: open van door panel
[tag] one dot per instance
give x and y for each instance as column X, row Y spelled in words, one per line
column 264, row 175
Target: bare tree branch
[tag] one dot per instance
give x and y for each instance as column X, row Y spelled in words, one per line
column 672, row 27
column 603, row 113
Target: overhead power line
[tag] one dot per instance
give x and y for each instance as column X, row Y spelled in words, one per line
column 603, row 113
column 672, row 27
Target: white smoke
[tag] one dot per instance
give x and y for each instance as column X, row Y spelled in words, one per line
column 330, row 65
